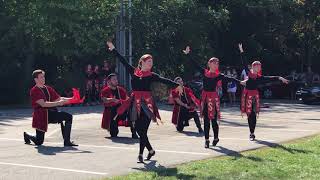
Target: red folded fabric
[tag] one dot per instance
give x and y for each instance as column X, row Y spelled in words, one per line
column 76, row 99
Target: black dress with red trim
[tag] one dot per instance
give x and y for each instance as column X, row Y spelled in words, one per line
column 141, row 99
column 209, row 96
column 251, row 91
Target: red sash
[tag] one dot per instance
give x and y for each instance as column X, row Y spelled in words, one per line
column 138, row 97
column 246, row 101
column 213, row 103
column 106, row 118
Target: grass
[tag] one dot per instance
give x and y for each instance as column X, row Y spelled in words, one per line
column 295, row 160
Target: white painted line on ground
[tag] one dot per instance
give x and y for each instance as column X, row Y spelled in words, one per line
column 184, row 152
column 270, row 120
column 278, row 129
column 135, row 149
column 11, row 139
column 195, row 131
column 241, row 139
column 53, row 168
column 116, row 147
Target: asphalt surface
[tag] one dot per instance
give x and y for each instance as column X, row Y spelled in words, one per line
column 101, row 156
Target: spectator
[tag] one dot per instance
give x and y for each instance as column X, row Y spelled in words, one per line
column 244, row 73
column 294, row 84
column 232, row 87
column 89, row 84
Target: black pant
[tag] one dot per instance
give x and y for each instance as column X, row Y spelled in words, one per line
column 214, row 124
column 142, row 126
column 252, row 118
column 184, row 117
column 55, row 117
column 114, row 128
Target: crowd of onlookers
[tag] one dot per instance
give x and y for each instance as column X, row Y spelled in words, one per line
column 96, row 79
column 298, row 80
column 228, row 91
column 308, row 78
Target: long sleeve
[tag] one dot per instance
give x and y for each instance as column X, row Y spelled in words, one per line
column 158, row 78
column 244, row 62
column 128, row 66
column 228, row 78
column 270, row 78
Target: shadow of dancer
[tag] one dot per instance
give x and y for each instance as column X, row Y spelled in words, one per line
column 162, row 171
column 53, row 150
column 276, row 145
column 123, row 140
column 235, row 154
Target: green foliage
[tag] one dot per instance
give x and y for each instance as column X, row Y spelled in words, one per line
column 62, row 36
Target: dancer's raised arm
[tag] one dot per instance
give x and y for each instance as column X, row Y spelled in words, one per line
column 187, row 53
column 122, row 59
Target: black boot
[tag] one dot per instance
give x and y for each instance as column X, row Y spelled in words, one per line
column 207, row 144
column 113, row 135
column 66, row 132
column 26, row 138
column 252, row 137
column 151, row 154
column 140, row 158
column 215, row 142
column 70, row 144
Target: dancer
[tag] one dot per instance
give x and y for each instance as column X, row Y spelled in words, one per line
column 210, row 102
column 250, row 99
column 112, row 95
column 185, row 107
column 44, row 102
column 141, row 106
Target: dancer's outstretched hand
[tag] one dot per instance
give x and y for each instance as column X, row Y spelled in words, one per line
column 187, row 50
column 286, row 81
column 240, row 47
column 110, row 45
column 243, row 83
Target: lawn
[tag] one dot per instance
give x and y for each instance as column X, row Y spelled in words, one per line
column 295, row 160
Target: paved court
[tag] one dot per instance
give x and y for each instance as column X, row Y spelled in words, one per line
column 100, row 156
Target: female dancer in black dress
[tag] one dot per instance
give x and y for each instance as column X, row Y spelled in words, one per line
column 141, row 106
column 210, row 102
column 250, row 99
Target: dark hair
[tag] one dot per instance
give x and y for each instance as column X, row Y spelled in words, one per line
column 111, row 75
column 35, row 73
